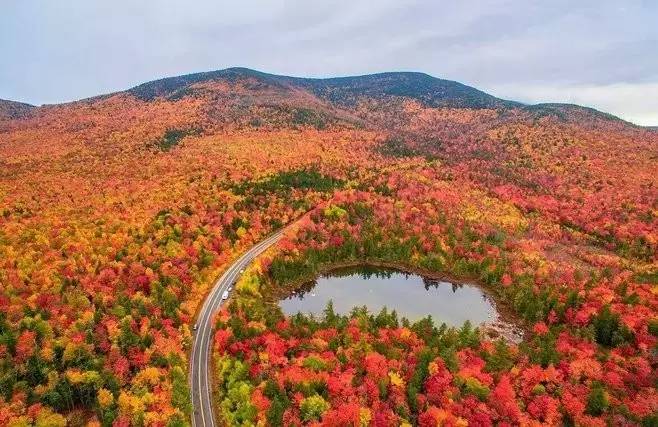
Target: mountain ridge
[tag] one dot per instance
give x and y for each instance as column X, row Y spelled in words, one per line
column 340, row 92
column 322, row 86
column 415, row 85
column 14, row 109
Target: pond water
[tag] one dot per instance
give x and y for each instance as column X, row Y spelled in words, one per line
column 410, row 295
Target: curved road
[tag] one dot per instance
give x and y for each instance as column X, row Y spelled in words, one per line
column 200, row 371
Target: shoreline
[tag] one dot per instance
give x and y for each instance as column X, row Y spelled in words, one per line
column 506, row 325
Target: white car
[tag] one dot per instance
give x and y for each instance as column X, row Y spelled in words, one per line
column 241, row 270
column 225, row 295
column 230, row 288
column 194, row 328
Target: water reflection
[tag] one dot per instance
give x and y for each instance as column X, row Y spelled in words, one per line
column 410, row 295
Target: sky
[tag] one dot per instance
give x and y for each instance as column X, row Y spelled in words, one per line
column 602, row 54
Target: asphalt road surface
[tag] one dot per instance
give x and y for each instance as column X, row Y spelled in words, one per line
column 200, row 370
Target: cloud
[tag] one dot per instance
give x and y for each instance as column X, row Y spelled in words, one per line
column 70, row 49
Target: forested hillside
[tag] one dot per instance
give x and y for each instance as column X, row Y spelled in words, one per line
column 118, row 212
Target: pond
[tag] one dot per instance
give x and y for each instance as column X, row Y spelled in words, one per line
column 410, row 295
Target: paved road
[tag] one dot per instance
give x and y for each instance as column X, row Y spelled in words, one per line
column 200, row 371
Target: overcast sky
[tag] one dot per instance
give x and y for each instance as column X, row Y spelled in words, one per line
column 597, row 53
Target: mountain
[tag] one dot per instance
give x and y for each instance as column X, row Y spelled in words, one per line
column 327, row 100
column 348, row 91
column 418, row 113
column 424, row 88
column 340, row 90
column 250, row 96
column 14, row 110
column 578, row 112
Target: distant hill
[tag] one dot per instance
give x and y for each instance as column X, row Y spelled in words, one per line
column 429, row 90
column 416, row 113
column 347, row 92
column 327, row 99
column 14, row 110
column 343, row 91
column 571, row 112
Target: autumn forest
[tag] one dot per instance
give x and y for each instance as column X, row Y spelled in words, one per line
column 119, row 212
